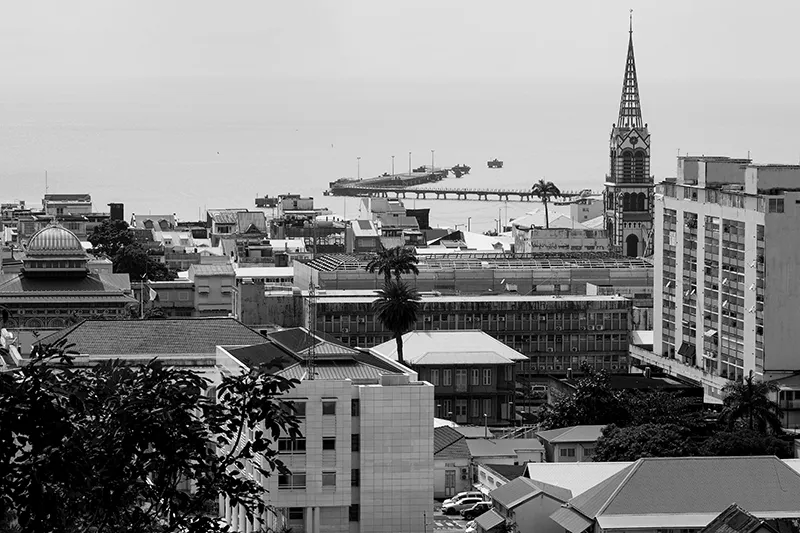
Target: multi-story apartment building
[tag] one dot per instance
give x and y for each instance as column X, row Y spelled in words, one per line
column 727, row 251
column 554, row 332
column 365, row 462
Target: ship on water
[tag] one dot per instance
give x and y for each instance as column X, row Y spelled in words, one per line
column 494, row 163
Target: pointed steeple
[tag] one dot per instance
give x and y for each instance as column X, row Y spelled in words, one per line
column 630, row 111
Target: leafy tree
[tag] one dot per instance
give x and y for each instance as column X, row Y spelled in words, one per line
column 745, row 442
column 749, row 403
column 393, row 261
column 545, row 190
column 661, row 407
column 646, row 440
column 136, row 262
column 396, row 308
column 110, row 237
column 593, row 402
column 109, row 448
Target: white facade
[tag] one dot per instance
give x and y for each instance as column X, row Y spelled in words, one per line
column 727, row 256
column 367, row 465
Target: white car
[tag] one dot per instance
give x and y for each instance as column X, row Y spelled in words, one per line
column 461, row 496
column 472, row 527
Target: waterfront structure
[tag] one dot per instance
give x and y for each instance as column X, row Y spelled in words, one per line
column 484, row 273
column 727, row 246
column 628, row 196
column 55, row 285
column 365, row 461
column 472, row 373
column 555, row 333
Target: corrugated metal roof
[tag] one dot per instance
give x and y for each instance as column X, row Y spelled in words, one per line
column 451, row 347
column 572, row 434
column 489, row 519
column 570, row 520
column 335, row 371
column 498, row 447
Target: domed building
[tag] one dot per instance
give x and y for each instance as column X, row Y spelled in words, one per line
column 56, row 286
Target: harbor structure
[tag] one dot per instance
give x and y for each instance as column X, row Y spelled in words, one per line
column 629, row 188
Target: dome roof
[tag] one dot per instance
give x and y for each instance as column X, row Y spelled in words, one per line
column 55, row 241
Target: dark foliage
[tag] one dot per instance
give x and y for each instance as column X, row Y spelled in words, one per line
column 393, row 261
column 109, row 448
column 748, row 404
column 396, row 308
column 114, row 239
column 646, row 440
column 745, row 442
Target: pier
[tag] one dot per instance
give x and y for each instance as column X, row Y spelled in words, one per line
column 445, row 193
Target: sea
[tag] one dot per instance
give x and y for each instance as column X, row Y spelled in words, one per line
column 186, row 145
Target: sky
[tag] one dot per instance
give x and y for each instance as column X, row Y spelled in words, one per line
column 86, row 40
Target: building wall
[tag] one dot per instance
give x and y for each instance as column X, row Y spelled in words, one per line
column 557, row 239
column 396, row 459
column 574, row 452
column 584, row 210
column 534, row 515
column 554, row 333
column 460, row 470
column 214, row 295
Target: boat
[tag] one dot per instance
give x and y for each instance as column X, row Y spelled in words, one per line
column 421, row 169
column 494, row 163
column 461, row 170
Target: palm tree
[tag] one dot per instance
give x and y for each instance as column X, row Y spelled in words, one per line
column 396, row 308
column 749, row 401
column 393, row 261
column 545, row 190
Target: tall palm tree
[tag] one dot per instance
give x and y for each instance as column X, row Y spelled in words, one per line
column 749, row 401
column 396, row 308
column 545, row 190
column 393, row 261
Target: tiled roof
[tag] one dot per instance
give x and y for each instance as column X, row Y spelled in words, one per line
column 451, row 347
column 572, row 434
column 214, row 269
column 693, row 487
column 197, row 336
column 490, row 519
column 444, row 436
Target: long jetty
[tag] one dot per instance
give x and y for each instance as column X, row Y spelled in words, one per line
column 445, row 193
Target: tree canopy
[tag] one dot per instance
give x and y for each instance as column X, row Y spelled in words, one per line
column 545, row 190
column 113, row 447
column 645, row 440
column 396, row 308
column 114, row 239
column 748, row 403
column 393, row 261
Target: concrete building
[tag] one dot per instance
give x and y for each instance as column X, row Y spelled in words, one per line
column 472, row 373
column 727, row 249
column 362, row 236
column 571, row 444
column 628, row 195
column 451, row 462
column 555, row 333
column 354, row 471
column 215, row 289
column 154, row 222
column 67, row 204
column 483, row 273
column 586, row 209
column 529, row 240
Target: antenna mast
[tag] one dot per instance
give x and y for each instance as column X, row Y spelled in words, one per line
column 311, row 356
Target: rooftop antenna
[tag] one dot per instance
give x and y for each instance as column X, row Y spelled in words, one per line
column 311, row 356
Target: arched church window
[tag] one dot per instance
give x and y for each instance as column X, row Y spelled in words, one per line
column 626, row 202
column 638, row 166
column 627, row 165
column 640, row 204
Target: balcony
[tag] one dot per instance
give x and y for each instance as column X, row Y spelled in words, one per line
column 674, row 367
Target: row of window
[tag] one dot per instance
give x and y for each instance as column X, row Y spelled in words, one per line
column 298, row 407
column 480, row 407
column 479, row 376
column 298, row 445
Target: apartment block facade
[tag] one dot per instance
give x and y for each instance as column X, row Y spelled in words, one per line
column 554, row 332
column 727, row 237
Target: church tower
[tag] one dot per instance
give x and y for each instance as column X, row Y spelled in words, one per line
column 628, row 193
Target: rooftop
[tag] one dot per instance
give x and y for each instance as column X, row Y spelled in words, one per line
column 508, row 472
column 520, row 490
column 577, row 477
column 685, row 492
column 483, row 261
column 501, row 447
column 734, row 519
column 567, row 298
column 572, row 434
column 213, row 269
column 451, row 347
column 449, row 444
column 172, row 336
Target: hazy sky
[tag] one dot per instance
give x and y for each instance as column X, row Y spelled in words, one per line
column 75, row 40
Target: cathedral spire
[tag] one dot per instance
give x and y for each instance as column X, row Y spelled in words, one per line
column 630, row 111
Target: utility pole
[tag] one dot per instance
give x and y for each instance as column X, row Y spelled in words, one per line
column 432, row 151
column 392, row 166
column 409, row 163
column 359, row 166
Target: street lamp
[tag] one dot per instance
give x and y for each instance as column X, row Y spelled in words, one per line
column 469, row 225
column 392, row 166
column 513, row 414
column 432, row 151
column 485, row 425
column 409, row 163
column 497, row 220
column 359, row 167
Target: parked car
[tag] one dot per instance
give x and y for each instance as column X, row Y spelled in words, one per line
column 462, row 495
column 476, row 510
column 463, row 503
column 472, row 527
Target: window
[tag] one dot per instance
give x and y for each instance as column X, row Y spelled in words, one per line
column 355, row 408
column 476, row 376
column 297, row 408
column 567, row 452
column 355, row 442
column 476, row 407
column 435, row 377
column 355, row 477
column 296, row 513
column 329, row 443
column 329, row 479
column 487, row 376
column 328, row 408
column 776, row 205
column 292, row 481
column 461, row 379
column 447, row 378
column 286, row 445
column 588, row 452
column 354, row 512
column 509, row 373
